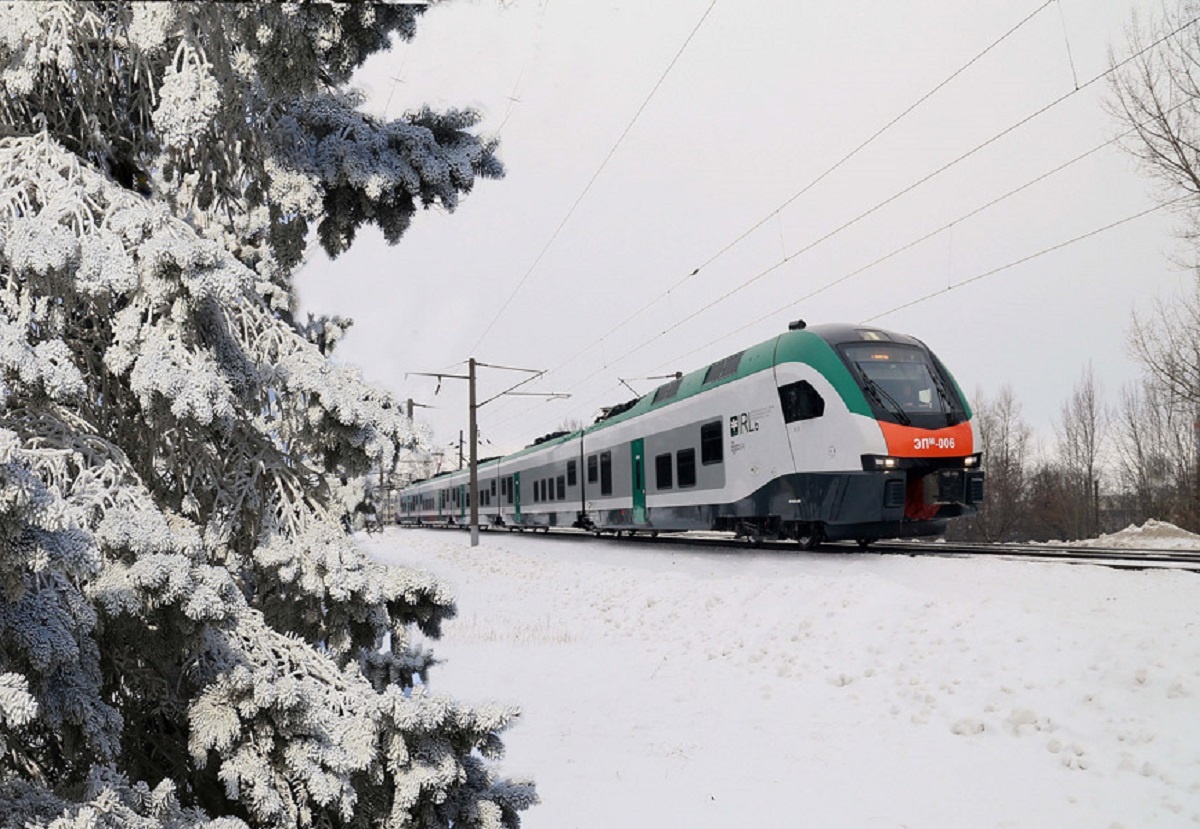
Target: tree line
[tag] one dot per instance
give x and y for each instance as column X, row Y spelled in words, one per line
column 1108, row 464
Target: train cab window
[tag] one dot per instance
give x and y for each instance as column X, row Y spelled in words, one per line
column 685, row 467
column 800, row 401
column 606, row 473
column 560, row 483
column 663, row 469
column 571, row 473
column 712, row 443
column 591, row 472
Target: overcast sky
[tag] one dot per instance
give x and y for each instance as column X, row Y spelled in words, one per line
column 766, row 97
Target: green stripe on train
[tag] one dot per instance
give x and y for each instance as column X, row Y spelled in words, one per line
column 792, row 347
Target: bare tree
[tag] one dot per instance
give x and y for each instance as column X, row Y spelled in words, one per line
column 1005, row 439
column 1155, row 454
column 1156, row 95
column 1167, row 343
column 1079, row 435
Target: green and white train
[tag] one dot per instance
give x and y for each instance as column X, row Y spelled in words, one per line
column 833, row 432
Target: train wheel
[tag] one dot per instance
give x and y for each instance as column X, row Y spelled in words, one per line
column 864, row 543
column 808, row 537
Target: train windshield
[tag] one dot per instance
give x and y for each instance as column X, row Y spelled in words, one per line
column 905, row 384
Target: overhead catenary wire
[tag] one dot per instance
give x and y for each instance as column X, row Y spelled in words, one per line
column 900, row 193
column 918, row 240
column 811, row 184
column 1029, row 258
column 587, row 188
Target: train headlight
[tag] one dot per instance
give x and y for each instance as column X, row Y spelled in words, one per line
column 874, row 463
column 972, row 461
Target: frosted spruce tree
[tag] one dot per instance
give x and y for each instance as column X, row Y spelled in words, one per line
column 188, row 636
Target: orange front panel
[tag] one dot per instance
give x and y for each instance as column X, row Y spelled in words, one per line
column 911, row 442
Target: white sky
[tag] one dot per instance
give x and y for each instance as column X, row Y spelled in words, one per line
column 765, row 98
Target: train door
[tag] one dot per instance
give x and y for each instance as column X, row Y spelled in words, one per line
column 515, row 488
column 463, row 495
column 637, row 456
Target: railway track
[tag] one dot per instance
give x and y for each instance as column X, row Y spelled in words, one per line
column 1115, row 557
column 1118, row 557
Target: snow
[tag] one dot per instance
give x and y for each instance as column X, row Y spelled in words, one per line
column 698, row 688
column 1153, row 535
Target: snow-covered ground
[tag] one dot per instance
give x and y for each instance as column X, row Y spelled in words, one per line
column 1153, row 535
column 698, row 688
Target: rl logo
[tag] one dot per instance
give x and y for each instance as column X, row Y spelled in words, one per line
column 741, row 424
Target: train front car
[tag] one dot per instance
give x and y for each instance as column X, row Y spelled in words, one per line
column 898, row 461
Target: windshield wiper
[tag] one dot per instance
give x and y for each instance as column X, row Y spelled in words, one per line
column 880, row 395
column 950, row 409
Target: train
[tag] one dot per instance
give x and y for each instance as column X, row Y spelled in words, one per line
column 830, row 432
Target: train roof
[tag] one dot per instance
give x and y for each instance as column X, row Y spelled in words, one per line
column 814, row 346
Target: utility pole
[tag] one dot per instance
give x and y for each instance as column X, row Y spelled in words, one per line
column 472, row 428
column 474, row 494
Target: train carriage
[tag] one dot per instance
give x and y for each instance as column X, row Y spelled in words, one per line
column 834, row 432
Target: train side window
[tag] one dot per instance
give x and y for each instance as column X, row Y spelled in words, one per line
column 571, row 481
column 712, row 443
column 663, row 469
column 493, row 489
column 592, row 469
column 685, row 467
column 510, row 488
column 606, row 473
column 800, row 401
column 561, row 485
